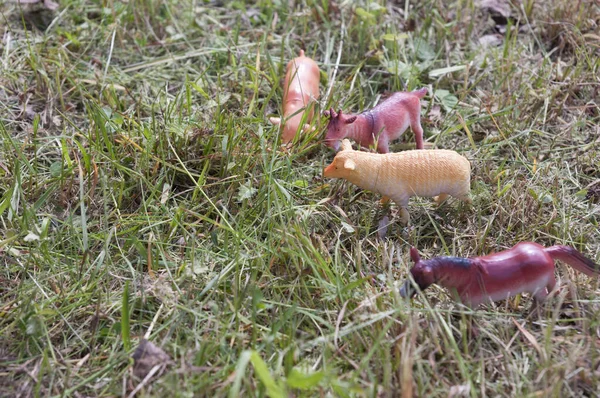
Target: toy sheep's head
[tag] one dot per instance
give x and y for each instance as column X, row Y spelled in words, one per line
column 337, row 127
column 343, row 164
column 422, row 273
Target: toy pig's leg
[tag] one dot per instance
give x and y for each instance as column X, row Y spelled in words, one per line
column 415, row 125
column 383, row 145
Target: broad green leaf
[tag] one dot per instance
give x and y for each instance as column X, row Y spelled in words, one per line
column 394, row 36
column 56, row 169
column 300, row 183
column 364, row 15
column 246, row 191
column 297, row 379
column 399, row 68
column 261, row 370
column 199, row 90
column 448, row 100
column 423, row 50
column 582, row 194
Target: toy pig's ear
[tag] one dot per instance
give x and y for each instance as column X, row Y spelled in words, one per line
column 349, row 164
column 350, row 120
column 414, row 255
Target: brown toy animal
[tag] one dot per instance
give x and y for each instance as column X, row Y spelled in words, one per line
column 398, row 176
column 300, row 91
column 526, row 267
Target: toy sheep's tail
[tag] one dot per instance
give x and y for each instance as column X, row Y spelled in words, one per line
column 574, row 259
column 420, row 92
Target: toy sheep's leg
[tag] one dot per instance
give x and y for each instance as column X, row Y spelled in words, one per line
column 440, row 198
column 464, row 197
column 402, row 202
column 404, row 216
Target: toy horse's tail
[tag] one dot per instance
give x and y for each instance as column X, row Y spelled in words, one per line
column 420, row 93
column 574, row 259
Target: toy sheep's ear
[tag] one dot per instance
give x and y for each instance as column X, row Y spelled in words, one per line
column 346, row 145
column 350, row 120
column 349, row 164
column 414, row 255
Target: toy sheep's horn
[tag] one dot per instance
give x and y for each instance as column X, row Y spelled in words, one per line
column 326, row 113
column 332, row 113
column 339, row 114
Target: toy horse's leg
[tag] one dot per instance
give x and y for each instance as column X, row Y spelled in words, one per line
column 538, row 301
column 551, row 285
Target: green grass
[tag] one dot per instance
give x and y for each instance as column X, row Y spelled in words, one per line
column 143, row 193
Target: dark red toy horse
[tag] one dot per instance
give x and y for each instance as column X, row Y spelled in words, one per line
column 526, row 267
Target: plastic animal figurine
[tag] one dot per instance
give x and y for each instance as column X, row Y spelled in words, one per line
column 526, row 267
column 398, row 176
column 300, row 88
column 384, row 123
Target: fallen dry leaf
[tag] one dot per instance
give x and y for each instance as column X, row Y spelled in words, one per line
column 49, row 4
column 147, row 356
column 435, row 113
column 492, row 40
column 499, row 10
column 382, row 227
column 531, row 338
column 459, row 391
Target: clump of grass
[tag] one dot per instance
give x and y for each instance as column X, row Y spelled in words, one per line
column 144, row 195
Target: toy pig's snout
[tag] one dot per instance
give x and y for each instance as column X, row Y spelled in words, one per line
column 333, row 144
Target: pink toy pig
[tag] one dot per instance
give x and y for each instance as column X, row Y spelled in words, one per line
column 384, row 123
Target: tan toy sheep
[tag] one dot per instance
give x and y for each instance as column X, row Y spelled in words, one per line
column 398, row 176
